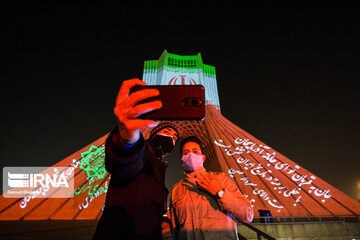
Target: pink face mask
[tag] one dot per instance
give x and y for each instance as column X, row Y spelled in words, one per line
column 192, row 161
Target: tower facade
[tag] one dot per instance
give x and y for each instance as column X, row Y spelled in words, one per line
column 267, row 178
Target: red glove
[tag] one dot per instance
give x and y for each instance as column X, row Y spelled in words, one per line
column 126, row 113
column 210, row 184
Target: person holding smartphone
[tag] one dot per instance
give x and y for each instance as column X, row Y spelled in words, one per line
column 136, row 197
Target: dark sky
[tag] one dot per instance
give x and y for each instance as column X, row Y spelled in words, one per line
column 287, row 73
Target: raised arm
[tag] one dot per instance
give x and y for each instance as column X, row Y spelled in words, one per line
column 125, row 146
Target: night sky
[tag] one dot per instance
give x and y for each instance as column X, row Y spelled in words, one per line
column 287, row 73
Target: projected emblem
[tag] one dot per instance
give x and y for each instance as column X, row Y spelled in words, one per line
column 93, row 162
column 96, row 184
column 183, row 80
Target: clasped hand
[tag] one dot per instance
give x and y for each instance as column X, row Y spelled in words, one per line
column 209, row 183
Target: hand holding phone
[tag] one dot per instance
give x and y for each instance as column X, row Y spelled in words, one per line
column 127, row 110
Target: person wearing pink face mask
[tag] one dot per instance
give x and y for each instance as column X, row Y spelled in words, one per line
column 205, row 205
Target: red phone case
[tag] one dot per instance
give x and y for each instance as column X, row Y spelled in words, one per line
column 180, row 102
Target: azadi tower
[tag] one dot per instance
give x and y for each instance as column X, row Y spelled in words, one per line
column 270, row 180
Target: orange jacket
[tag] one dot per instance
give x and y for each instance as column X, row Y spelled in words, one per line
column 197, row 215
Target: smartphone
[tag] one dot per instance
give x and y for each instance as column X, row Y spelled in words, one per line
column 180, row 102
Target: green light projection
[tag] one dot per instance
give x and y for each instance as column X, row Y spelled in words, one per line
column 93, row 163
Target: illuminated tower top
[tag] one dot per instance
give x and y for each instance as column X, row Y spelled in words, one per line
column 173, row 69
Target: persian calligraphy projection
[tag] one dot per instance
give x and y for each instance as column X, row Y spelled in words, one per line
column 90, row 185
column 268, row 179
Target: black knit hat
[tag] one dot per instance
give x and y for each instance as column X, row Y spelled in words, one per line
column 162, row 126
column 192, row 139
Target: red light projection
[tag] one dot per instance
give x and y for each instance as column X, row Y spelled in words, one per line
column 268, row 179
column 90, row 184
